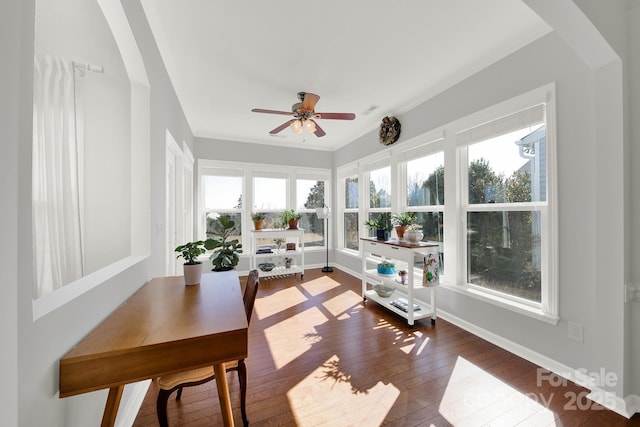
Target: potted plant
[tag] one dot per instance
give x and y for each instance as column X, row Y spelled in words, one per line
column 192, row 268
column 225, row 252
column 258, row 221
column 291, row 217
column 382, row 225
column 402, row 222
column 386, row 267
column 403, row 276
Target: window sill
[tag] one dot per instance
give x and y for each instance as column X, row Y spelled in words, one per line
column 507, row 304
column 56, row 299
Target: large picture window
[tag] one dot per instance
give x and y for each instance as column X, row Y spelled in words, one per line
column 506, row 194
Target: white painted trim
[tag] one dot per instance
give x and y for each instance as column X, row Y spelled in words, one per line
column 625, row 407
column 128, row 412
column 50, row 302
column 506, row 303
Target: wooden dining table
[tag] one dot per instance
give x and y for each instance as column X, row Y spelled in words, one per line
column 164, row 327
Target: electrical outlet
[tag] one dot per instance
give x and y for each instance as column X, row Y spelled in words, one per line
column 575, row 331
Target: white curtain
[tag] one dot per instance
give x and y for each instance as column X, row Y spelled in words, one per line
column 57, row 225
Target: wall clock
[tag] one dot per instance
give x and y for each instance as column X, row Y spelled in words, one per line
column 389, row 130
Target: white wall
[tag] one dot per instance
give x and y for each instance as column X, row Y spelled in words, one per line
column 30, row 365
column 15, row 105
column 633, row 72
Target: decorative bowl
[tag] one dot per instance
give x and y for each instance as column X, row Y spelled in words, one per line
column 266, row 266
column 383, row 269
column 383, row 291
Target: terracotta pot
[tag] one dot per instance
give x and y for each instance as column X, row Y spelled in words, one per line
column 258, row 224
column 192, row 274
column 293, row 224
column 400, row 229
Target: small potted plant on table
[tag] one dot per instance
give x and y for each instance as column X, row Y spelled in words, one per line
column 291, row 218
column 402, row 222
column 382, row 225
column 192, row 268
column 258, row 221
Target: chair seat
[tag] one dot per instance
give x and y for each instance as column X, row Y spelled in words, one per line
column 167, row 382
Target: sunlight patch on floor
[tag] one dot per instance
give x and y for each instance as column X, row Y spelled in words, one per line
column 269, row 305
column 294, row 336
column 319, row 285
column 475, row 397
column 311, row 399
column 342, row 304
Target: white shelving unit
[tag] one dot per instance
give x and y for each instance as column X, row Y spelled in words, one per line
column 403, row 252
column 295, row 236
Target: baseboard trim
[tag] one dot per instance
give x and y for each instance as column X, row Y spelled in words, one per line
column 132, row 398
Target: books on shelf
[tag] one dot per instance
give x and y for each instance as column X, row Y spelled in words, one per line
column 264, row 250
column 403, row 305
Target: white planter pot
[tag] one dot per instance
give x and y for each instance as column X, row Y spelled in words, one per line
column 192, row 274
column 414, row 236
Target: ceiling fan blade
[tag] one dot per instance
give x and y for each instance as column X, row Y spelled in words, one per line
column 261, row 110
column 319, row 132
column 309, row 102
column 282, row 126
column 335, row 116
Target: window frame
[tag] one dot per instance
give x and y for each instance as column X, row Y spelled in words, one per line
column 249, row 171
column 452, row 139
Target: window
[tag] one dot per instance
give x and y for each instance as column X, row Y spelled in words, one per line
column 241, row 189
column 350, row 218
column 506, row 195
column 310, row 194
column 425, row 197
column 270, row 198
column 495, row 168
column 223, row 195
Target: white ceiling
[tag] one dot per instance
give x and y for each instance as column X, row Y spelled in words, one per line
column 227, row 57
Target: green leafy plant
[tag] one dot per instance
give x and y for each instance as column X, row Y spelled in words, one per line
column 190, row 252
column 403, row 219
column 258, row 216
column 381, row 223
column 225, row 252
column 288, row 215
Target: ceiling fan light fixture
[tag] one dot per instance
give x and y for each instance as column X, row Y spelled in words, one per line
column 309, row 126
column 296, row 126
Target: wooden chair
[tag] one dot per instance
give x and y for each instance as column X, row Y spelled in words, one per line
column 170, row 383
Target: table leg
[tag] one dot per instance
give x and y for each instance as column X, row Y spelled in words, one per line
column 111, row 408
column 223, row 394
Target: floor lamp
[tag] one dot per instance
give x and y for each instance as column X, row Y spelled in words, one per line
column 325, row 213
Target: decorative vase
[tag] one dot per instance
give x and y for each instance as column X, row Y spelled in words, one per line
column 287, row 262
column 414, row 236
column 400, row 229
column 293, row 224
column 192, row 273
column 258, row 224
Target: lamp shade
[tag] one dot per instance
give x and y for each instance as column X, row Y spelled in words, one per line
column 309, row 126
column 296, row 126
column 323, row 213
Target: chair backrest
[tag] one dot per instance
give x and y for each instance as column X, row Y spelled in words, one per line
column 250, row 292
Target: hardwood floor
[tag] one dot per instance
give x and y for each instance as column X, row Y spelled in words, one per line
column 318, row 357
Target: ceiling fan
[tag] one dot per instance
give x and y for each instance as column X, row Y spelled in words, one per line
column 305, row 116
